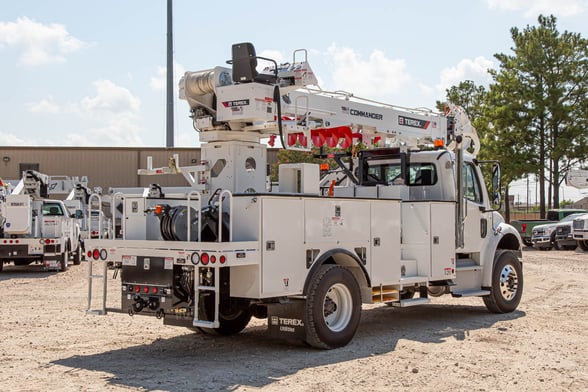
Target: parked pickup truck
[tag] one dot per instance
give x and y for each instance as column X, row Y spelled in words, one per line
column 580, row 231
column 525, row 226
column 545, row 236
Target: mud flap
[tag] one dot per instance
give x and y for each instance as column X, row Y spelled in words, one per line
column 286, row 321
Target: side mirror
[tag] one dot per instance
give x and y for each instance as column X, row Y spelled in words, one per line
column 496, row 185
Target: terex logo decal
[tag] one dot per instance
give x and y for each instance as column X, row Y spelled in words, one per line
column 413, row 122
column 238, row 102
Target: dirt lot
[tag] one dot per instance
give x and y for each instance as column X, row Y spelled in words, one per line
column 47, row 342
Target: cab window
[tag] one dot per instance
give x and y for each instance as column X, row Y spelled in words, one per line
column 391, row 174
column 472, row 189
column 52, row 210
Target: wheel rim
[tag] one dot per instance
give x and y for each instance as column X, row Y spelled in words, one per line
column 337, row 307
column 509, row 282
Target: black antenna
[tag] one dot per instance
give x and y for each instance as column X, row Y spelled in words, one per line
column 170, row 79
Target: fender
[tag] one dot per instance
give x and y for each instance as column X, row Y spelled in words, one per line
column 503, row 237
column 342, row 257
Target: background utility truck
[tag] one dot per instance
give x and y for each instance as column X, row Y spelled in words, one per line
column 38, row 229
column 410, row 218
column 579, row 178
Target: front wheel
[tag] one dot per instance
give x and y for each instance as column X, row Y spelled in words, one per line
column 583, row 244
column 554, row 243
column 333, row 307
column 507, row 284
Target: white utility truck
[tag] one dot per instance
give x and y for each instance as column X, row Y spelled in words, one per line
column 35, row 228
column 407, row 218
column 578, row 178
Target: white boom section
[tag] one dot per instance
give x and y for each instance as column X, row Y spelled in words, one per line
column 305, row 117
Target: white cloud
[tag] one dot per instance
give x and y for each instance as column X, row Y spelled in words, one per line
column 119, row 132
column 9, row 139
column 187, row 139
column 38, row 43
column 115, row 109
column 110, row 100
column 375, row 77
column 46, row 105
column 158, row 81
column 467, row 69
column 532, row 8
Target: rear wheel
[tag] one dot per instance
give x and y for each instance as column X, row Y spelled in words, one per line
column 333, row 307
column 231, row 321
column 63, row 262
column 507, row 284
column 77, row 257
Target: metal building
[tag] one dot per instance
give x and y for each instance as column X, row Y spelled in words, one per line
column 105, row 167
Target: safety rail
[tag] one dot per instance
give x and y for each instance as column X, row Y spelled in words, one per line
column 189, row 213
column 220, row 215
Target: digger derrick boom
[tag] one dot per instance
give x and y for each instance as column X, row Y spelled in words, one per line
column 395, row 225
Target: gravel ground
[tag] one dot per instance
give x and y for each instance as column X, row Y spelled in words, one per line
column 48, row 342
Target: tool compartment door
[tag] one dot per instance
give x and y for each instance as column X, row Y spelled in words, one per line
column 385, row 242
column 283, row 266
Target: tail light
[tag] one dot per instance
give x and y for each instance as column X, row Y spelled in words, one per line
column 223, row 259
column 524, row 227
column 96, row 254
column 213, row 259
column 204, row 259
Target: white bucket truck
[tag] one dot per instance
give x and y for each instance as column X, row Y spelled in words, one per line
column 407, row 218
column 36, row 228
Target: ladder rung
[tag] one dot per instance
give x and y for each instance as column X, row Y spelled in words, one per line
column 205, row 324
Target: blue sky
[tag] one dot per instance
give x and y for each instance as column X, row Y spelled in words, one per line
column 80, row 73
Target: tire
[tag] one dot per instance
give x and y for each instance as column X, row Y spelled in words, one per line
column 507, row 284
column 333, row 307
column 231, row 321
column 407, row 294
column 583, row 244
column 77, row 257
column 63, row 262
column 1, row 264
column 554, row 243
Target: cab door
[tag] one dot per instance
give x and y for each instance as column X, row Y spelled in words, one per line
column 476, row 223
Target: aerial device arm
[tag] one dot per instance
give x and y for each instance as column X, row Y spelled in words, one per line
column 243, row 104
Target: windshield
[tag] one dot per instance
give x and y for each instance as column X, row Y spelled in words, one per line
column 571, row 217
column 52, row 209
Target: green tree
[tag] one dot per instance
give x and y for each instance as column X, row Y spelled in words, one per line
column 489, row 115
column 539, row 103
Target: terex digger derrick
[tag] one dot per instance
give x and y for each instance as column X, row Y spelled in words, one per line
column 407, row 218
column 35, row 228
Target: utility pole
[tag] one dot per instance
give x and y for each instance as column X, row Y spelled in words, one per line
column 170, row 80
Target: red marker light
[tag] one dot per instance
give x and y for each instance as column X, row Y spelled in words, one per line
column 223, row 259
column 146, row 290
column 96, row 254
column 213, row 259
column 204, row 258
column 154, row 290
column 137, row 289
